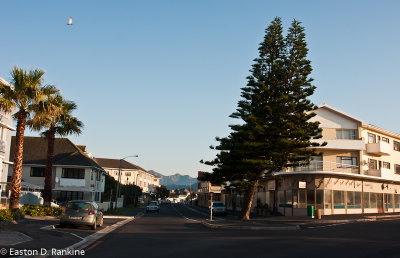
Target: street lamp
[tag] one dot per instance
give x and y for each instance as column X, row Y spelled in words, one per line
column 117, row 192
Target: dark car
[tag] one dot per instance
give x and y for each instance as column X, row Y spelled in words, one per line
column 82, row 213
column 218, row 208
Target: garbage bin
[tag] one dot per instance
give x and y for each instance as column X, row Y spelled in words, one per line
column 318, row 211
column 310, row 211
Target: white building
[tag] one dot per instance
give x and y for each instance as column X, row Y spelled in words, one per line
column 130, row 174
column 6, row 127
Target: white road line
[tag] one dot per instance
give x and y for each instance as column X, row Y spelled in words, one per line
column 50, row 228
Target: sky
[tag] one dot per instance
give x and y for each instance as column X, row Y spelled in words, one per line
column 159, row 79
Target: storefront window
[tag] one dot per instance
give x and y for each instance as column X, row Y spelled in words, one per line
column 338, row 200
column 328, row 199
column 366, row 201
column 319, row 199
column 288, row 199
column 389, row 201
column 350, row 200
column 281, row 198
column 397, row 200
column 357, row 200
column 372, row 199
column 310, row 197
column 302, row 198
column 295, row 198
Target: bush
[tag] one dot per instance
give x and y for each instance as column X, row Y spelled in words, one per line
column 7, row 215
column 35, row 211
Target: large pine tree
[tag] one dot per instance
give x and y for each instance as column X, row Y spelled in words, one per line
column 275, row 131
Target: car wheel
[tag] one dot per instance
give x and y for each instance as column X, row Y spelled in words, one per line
column 94, row 226
column 101, row 222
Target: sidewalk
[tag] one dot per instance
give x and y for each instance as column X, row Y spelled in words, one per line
column 258, row 222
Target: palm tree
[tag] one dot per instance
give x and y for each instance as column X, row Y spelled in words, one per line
column 54, row 114
column 27, row 91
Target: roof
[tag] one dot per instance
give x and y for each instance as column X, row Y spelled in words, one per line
column 115, row 163
column 363, row 123
column 66, row 153
column 342, row 113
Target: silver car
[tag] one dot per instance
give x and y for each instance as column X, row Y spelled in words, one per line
column 82, row 213
column 153, row 206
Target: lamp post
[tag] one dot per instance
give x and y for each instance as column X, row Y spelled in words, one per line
column 117, row 192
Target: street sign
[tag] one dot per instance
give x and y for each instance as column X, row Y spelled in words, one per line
column 302, row 185
column 215, row 189
column 271, row 185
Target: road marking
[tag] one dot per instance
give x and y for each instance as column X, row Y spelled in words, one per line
column 50, row 228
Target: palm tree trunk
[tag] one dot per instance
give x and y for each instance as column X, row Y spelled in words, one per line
column 248, row 198
column 49, row 167
column 17, row 169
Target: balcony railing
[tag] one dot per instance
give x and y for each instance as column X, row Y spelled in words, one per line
column 325, row 166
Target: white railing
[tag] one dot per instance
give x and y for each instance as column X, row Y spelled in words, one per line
column 325, row 166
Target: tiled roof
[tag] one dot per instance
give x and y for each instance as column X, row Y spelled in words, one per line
column 66, row 153
column 114, row 163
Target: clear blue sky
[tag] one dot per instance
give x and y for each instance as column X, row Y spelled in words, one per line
column 160, row 78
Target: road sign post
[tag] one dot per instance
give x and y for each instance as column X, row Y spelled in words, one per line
column 211, row 206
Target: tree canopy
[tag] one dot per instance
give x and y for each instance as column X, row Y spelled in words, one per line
column 274, row 112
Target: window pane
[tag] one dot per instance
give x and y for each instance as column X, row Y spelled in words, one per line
column 350, row 200
column 372, row 199
column 288, row 198
column 338, row 200
column 281, row 198
column 320, row 199
column 295, row 198
column 366, row 200
column 302, row 198
column 328, row 199
column 310, row 197
column 357, row 200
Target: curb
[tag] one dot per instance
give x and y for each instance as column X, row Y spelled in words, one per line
column 209, row 225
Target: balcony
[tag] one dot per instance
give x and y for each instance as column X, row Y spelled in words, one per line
column 383, row 173
column 72, row 182
column 341, row 144
column 379, row 148
column 326, row 166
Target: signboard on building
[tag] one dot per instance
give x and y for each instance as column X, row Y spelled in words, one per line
column 215, row 189
column 302, row 185
column 271, row 185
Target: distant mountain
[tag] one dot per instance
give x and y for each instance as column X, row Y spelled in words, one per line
column 176, row 181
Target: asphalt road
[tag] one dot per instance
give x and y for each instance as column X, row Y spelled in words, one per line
column 175, row 232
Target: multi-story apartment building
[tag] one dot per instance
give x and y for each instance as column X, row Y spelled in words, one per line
column 358, row 171
column 130, row 174
column 6, row 128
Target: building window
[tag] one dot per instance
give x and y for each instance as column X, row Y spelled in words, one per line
column 385, row 165
column 346, row 162
column 372, row 164
column 127, row 173
column 397, row 168
column 396, row 146
column 78, row 173
column 384, row 139
column 348, row 134
column 38, row 172
column 371, row 138
column 338, row 200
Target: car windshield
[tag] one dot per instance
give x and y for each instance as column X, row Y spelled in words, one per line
column 78, row 206
column 218, row 204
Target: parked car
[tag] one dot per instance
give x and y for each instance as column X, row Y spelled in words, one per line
column 84, row 213
column 153, row 206
column 218, row 208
